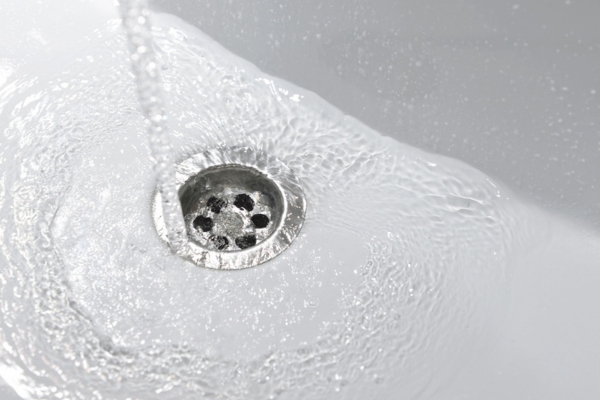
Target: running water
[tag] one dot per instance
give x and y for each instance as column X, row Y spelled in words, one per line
column 399, row 270
column 147, row 77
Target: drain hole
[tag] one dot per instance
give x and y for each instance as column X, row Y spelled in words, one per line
column 244, row 201
column 204, row 223
column 243, row 242
column 216, row 204
column 260, row 220
column 220, row 242
column 237, row 214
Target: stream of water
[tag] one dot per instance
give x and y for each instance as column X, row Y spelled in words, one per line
column 136, row 22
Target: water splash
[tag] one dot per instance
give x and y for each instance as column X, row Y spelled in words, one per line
column 147, row 77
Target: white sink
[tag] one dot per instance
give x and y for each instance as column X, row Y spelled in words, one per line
column 509, row 89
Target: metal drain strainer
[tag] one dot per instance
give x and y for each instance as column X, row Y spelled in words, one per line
column 241, row 207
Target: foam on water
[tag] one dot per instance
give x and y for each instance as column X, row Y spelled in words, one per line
column 398, row 270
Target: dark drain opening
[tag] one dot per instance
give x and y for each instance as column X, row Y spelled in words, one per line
column 260, row 220
column 244, row 202
column 203, row 223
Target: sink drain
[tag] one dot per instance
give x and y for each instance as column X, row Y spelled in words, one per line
column 231, row 207
column 241, row 207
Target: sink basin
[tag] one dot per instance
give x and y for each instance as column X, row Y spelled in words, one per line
column 448, row 153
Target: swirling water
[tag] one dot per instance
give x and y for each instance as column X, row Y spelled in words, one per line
column 399, row 269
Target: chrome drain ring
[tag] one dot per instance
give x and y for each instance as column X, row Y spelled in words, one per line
column 241, row 207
